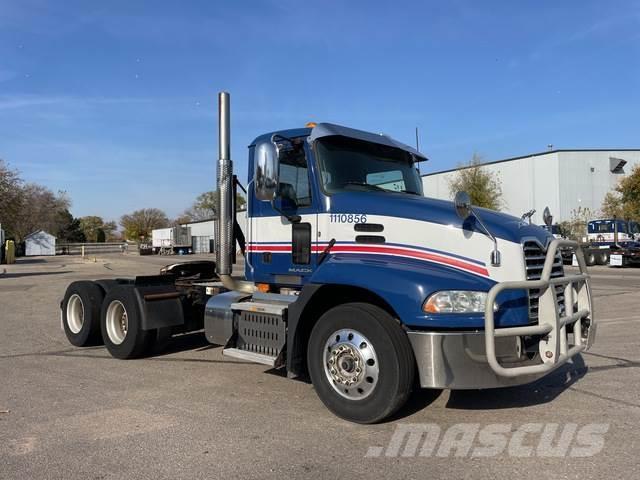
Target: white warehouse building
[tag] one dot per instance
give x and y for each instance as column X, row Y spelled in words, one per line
column 563, row 180
column 201, row 234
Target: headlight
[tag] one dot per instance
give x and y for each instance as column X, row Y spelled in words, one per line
column 457, row 301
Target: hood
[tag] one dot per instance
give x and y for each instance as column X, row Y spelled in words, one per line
column 506, row 227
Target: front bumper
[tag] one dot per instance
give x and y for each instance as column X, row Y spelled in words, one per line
column 514, row 355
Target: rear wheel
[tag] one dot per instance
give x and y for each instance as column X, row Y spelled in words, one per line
column 590, row 258
column 360, row 362
column 120, row 322
column 602, row 258
column 81, row 313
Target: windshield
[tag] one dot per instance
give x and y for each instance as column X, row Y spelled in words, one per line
column 350, row 164
column 606, row 226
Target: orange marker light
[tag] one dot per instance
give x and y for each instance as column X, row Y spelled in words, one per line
column 263, row 287
column 310, row 124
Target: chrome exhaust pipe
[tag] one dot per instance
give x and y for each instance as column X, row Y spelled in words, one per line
column 224, row 232
column 224, row 263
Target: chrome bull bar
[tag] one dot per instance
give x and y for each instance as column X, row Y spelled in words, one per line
column 554, row 345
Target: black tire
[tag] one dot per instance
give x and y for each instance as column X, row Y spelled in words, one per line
column 590, row 259
column 108, row 284
column 133, row 342
column 81, row 319
column 602, row 258
column 395, row 362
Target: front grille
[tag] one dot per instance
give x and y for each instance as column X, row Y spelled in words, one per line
column 534, row 257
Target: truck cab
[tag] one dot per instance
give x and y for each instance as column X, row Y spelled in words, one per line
column 345, row 220
column 357, row 281
column 611, row 230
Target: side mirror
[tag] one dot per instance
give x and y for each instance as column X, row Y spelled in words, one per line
column 462, row 202
column 266, row 170
column 547, row 217
column 464, row 209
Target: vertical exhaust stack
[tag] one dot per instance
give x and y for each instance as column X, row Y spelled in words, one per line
column 224, row 264
column 225, row 238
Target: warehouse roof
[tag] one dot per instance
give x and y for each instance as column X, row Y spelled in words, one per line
column 38, row 232
column 546, row 152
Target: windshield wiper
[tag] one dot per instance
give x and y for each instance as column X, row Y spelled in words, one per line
column 368, row 185
column 411, row 192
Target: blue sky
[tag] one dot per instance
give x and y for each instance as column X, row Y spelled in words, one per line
column 115, row 102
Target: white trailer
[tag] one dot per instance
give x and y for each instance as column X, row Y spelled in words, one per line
column 161, row 237
column 171, row 240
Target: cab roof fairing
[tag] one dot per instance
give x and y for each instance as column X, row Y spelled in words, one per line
column 330, row 129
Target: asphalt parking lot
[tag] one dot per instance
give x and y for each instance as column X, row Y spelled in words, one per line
column 67, row 412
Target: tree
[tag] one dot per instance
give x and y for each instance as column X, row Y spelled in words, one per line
column 26, row 208
column 90, row 226
column 629, row 189
column 612, row 205
column 624, row 200
column 10, row 198
column 181, row 220
column 483, row 187
column 206, row 206
column 96, row 229
column 110, row 230
column 40, row 209
column 138, row 225
column 69, row 228
column 576, row 228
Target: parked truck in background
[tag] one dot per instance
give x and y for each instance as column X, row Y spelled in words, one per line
column 607, row 237
column 175, row 240
column 355, row 280
column 611, row 230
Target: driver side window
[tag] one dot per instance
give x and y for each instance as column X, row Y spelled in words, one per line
column 294, row 188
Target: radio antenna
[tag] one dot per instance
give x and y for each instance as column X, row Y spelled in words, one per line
column 417, row 147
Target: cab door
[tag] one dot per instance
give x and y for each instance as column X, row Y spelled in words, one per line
column 282, row 233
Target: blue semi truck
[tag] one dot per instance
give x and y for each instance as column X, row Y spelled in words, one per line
column 354, row 279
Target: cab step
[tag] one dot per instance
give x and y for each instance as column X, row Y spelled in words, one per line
column 250, row 356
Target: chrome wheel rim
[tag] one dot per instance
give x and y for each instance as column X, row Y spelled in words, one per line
column 117, row 322
column 75, row 313
column 351, row 364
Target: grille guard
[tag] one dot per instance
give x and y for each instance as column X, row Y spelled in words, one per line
column 554, row 345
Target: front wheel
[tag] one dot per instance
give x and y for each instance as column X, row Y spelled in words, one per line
column 360, row 362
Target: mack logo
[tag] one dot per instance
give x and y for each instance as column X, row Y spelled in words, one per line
column 300, row 270
column 538, row 242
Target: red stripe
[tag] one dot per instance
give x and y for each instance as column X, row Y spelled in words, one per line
column 413, row 254
column 269, row 248
column 380, row 250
